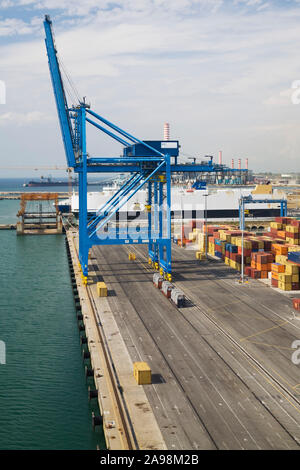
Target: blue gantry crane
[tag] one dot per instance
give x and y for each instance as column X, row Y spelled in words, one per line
column 245, row 200
column 149, row 164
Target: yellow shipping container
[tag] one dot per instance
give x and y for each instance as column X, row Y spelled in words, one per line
column 284, row 286
column 101, row 289
column 291, row 268
column 286, row 278
column 200, row 255
column 295, row 277
column 276, row 225
column 227, row 261
column 292, row 229
column 281, row 259
column 247, row 243
column 142, row 373
column 294, row 247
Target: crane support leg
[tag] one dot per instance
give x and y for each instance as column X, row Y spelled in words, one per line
column 165, row 251
column 83, row 233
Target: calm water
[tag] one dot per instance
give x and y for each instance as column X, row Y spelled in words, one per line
column 43, row 391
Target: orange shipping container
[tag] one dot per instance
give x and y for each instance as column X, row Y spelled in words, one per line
column 277, row 268
column 280, row 249
column 262, row 267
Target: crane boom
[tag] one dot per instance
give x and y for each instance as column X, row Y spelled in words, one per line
column 59, row 93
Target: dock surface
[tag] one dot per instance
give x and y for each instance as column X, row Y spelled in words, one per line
column 222, row 369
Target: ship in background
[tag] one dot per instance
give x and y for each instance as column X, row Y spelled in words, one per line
column 189, row 202
column 49, row 182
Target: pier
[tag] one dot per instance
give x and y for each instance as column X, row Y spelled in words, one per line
column 8, row 227
column 17, row 194
column 39, row 219
column 222, row 374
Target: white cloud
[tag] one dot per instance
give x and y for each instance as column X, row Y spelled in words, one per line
column 22, row 119
column 14, row 26
column 217, row 76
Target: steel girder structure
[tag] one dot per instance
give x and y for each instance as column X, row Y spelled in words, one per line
column 151, row 167
column 249, row 200
column 148, row 163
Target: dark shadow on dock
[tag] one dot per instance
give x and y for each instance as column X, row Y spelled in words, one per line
column 157, row 379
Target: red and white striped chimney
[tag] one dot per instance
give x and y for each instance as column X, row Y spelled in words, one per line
column 232, row 163
column 166, row 131
column 246, row 163
column 239, row 164
column 220, row 157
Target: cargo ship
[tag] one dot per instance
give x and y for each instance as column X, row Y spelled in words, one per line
column 195, row 202
column 47, row 182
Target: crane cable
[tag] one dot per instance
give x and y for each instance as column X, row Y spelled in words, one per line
column 69, row 84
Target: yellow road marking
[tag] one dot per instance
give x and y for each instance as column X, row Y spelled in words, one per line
column 264, row 331
column 272, row 345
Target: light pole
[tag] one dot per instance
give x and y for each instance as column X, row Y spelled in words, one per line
column 242, row 216
column 205, row 219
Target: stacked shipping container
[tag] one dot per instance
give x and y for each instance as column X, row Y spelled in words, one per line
column 274, row 254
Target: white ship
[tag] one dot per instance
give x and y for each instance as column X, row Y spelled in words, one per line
column 189, row 203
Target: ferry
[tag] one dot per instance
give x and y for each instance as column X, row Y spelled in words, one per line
column 188, row 202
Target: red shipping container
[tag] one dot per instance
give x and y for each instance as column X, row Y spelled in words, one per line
column 267, row 245
column 248, row 271
column 255, row 274
column 247, row 251
column 296, row 304
column 274, row 282
column 292, row 235
column 295, row 223
column 283, row 220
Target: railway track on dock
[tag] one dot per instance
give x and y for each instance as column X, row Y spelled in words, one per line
column 278, row 386
column 125, row 427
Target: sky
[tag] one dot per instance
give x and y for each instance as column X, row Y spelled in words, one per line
column 224, row 73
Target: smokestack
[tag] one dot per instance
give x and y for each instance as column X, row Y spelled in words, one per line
column 166, row 131
column 246, row 163
column 220, row 157
column 232, row 163
column 239, row 163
